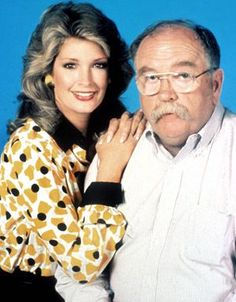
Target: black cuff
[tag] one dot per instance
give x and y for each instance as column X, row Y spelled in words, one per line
column 105, row 193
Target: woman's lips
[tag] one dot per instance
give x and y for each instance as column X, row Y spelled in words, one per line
column 84, row 96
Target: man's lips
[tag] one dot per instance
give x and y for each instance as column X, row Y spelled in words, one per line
column 169, row 116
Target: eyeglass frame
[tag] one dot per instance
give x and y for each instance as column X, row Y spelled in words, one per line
column 167, row 74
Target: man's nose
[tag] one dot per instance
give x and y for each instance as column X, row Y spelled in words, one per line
column 166, row 92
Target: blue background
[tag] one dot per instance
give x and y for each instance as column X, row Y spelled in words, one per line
column 18, row 19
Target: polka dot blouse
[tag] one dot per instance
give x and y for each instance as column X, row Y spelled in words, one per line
column 41, row 224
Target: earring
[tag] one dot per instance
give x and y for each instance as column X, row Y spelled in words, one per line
column 48, row 80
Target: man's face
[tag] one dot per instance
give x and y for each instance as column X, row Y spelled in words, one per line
column 177, row 50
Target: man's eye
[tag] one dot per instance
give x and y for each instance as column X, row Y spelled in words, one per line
column 151, row 77
column 69, row 65
column 183, row 76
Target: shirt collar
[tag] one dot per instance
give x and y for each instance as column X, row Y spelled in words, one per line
column 212, row 126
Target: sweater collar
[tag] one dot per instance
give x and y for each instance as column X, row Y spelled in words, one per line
column 67, row 135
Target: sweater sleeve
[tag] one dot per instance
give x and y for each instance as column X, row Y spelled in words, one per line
column 106, row 193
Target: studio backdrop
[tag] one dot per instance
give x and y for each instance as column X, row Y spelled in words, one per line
column 18, row 19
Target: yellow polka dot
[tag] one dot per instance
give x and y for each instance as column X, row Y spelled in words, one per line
column 44, row 182
column 29, row 172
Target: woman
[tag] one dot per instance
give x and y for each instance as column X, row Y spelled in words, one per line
column 75, row 68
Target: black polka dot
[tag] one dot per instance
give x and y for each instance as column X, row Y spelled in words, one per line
column 72, row 164
column 15, row 192
column 35, row 188
column 41, row 216
column 61, row 204
column 8, row 215
column 53, row 242
column 78, row 241
column 102, row 221
column 5, row 158
column 39, row 150
column 61, row 226
column 19, row 239
column 83, row 282
column 36, row 128
column 76, row 268
column 51, row 259
column 44, row 170
column 53, row 161
column 31, row 261
column 64, row 169
column 23, row 157
column 9, row 250
column 96, row 255
column 2, row 237
column 28, row 212
column 64, row 189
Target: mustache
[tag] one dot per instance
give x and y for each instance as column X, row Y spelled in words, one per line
column 168, row 108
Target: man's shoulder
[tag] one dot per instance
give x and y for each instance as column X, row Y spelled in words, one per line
column 230, row 117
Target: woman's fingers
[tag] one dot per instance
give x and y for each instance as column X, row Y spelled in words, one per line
column 138, row 124
column 123, row 125
column 112, row 129
column 133, row 126
column 127, row 125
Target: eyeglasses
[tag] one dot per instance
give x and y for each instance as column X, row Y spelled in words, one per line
column 149, row 83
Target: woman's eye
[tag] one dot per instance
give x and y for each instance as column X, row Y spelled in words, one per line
column 69, row 65
column 101, row 65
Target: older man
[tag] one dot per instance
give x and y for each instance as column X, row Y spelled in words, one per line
column 179, row 185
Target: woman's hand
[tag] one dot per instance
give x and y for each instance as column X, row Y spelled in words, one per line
column 114, row 154
column 134, row 124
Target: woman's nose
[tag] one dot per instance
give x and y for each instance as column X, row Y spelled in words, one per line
column 84, row 76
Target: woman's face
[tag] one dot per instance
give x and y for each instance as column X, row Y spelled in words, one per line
column 80, row 79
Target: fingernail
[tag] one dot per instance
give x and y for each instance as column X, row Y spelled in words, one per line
column 109, row 138
column 122, row 139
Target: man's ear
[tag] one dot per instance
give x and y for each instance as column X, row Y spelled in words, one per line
column 218, row 78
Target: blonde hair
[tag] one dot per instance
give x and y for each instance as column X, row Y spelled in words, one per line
column 59, row 22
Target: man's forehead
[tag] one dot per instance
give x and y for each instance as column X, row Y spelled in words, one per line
column 171, row 35
column 177, row 45
column 187, row 33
